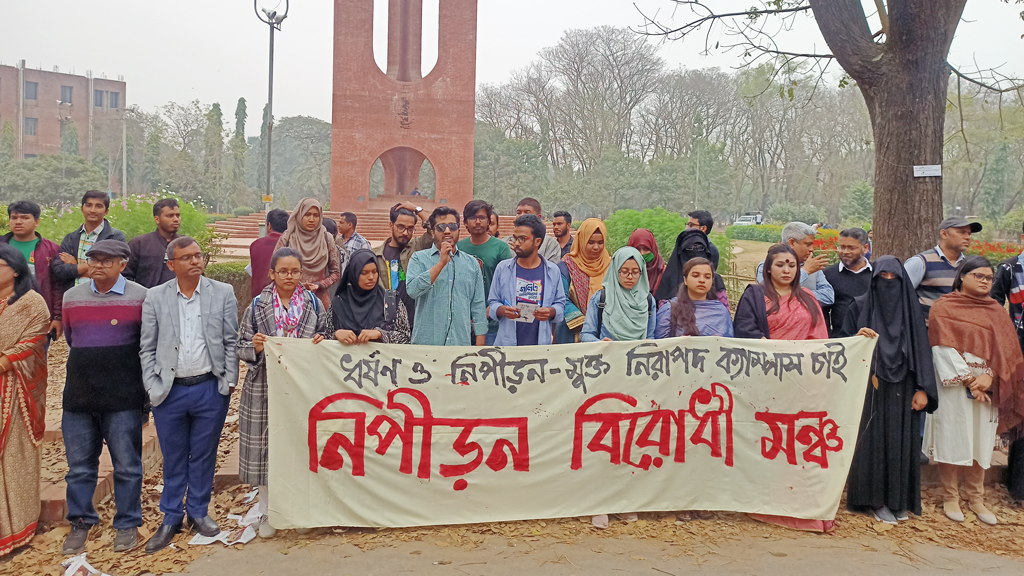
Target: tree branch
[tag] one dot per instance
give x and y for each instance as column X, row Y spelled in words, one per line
column 845, row 29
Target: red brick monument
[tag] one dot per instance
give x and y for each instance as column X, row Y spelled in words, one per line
column 399, row 116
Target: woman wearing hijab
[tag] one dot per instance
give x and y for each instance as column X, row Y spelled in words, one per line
column 691, row 313
column 362, row 312
column 691, row 243
column 978, row 361
column 885, row 477
column 643, row 240
column 583, row 270
column 628, row 314
column 321, row 262
column 629, row 311
column 283, row 309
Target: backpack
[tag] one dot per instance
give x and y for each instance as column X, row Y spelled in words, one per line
column 600, row 309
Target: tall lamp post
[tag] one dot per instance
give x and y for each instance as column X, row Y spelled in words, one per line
column 273, row 18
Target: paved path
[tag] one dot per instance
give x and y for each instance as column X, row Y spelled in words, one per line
column 801, row 554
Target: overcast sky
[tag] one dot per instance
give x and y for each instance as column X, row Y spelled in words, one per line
column 216, row 50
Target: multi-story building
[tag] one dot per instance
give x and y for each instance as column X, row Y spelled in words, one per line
column 40, row 104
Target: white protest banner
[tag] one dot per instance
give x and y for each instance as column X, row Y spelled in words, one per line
column 387, row 435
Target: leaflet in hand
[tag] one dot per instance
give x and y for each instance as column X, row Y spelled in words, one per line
column 526, row 311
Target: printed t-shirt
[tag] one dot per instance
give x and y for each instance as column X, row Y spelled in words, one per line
column 529, row 290
column 26, row 249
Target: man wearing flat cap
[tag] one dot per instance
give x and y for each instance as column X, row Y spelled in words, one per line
column 932, row 271
column 104, row 396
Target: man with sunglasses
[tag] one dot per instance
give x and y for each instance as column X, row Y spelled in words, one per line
column 189, row 367
column 448, row 287
column 103, row 394
column 393, row 255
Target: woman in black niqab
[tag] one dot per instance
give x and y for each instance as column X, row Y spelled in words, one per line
column 691, row 243
column 885, row 476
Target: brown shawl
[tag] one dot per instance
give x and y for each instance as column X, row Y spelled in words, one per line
column 23, row 328
column 981, row 326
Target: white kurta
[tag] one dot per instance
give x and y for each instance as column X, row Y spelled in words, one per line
column 961, row 430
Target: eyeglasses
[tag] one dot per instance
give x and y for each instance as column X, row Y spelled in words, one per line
column 288, row 273
column 629, row 273
column 986, row 278
column 403, row 229
column 478, row 218
column 188, row 258
column 453, row 226
column 96, row 263
column 521, row 239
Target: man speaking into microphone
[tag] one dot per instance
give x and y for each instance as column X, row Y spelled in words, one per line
column 448, row 287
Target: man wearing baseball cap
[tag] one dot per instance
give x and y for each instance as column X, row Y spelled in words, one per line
column 103, row 394
column 932, row 271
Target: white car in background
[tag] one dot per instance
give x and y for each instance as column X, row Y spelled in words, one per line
column 745, row 220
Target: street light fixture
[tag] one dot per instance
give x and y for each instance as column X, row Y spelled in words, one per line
column 273, row 18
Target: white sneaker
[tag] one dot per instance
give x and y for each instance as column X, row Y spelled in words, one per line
column 883, row 514
column 266, row 530
column 600, row 521
column 629, row 517
column 303, row 530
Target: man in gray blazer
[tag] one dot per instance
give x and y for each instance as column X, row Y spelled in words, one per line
column 189, row 368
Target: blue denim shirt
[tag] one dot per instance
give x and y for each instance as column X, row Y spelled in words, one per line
column 454, row 303
column 589, row 333
column 503, row 289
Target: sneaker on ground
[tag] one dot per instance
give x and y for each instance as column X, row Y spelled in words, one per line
column 901, row 515
column 883, row 514
column 74, row 542
column 600, row 521
column 127, row 539
column 266, row 530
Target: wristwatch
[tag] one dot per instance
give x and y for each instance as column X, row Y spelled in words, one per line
column 419, row 209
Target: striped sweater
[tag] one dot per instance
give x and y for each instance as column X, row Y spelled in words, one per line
column 104, row 371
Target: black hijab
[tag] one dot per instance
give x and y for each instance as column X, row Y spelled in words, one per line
column 691, row 243
column 356, row 309
column 890, row 308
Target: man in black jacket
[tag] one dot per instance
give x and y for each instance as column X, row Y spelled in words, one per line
column 73, row 267
column 850, row 278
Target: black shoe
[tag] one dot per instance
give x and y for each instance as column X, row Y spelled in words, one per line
column 162, row 538
column 74, row 543
column 205, row 526
column 127, row 539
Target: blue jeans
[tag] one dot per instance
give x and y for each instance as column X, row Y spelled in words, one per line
column 489, row 338
column 84, row 434
column 188, row 423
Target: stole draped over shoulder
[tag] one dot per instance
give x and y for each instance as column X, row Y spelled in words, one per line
column 23, row 327
column 586, row 275
column 886, row 468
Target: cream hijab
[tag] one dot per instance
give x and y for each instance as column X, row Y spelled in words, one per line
column 313, row 244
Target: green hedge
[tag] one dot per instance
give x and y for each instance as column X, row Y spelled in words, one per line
column 233, row 273
column 768, row 233
column 665, row 226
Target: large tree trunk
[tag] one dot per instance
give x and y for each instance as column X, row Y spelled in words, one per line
column 904, row 83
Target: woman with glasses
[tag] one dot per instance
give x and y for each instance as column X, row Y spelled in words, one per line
column 977, row 361
column 623, row 309
column 24, row 320
column 284, row 309
column 583, row 270
column 321, row 261
column 361, row 310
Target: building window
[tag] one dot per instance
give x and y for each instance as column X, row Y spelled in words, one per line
column 31, row 124
column 114, row 99
column 97, row 96
column 65, row 94
column 28, row 156
column 31, row 90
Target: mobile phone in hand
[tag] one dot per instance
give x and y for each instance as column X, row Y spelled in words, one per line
column 52, row 335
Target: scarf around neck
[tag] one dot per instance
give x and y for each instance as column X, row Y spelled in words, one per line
column 286, row 320
column 626, row 311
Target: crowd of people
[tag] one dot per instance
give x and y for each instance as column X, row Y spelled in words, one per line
column 147, row 332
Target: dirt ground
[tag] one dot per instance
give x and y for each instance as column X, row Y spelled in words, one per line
column 747, row 255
